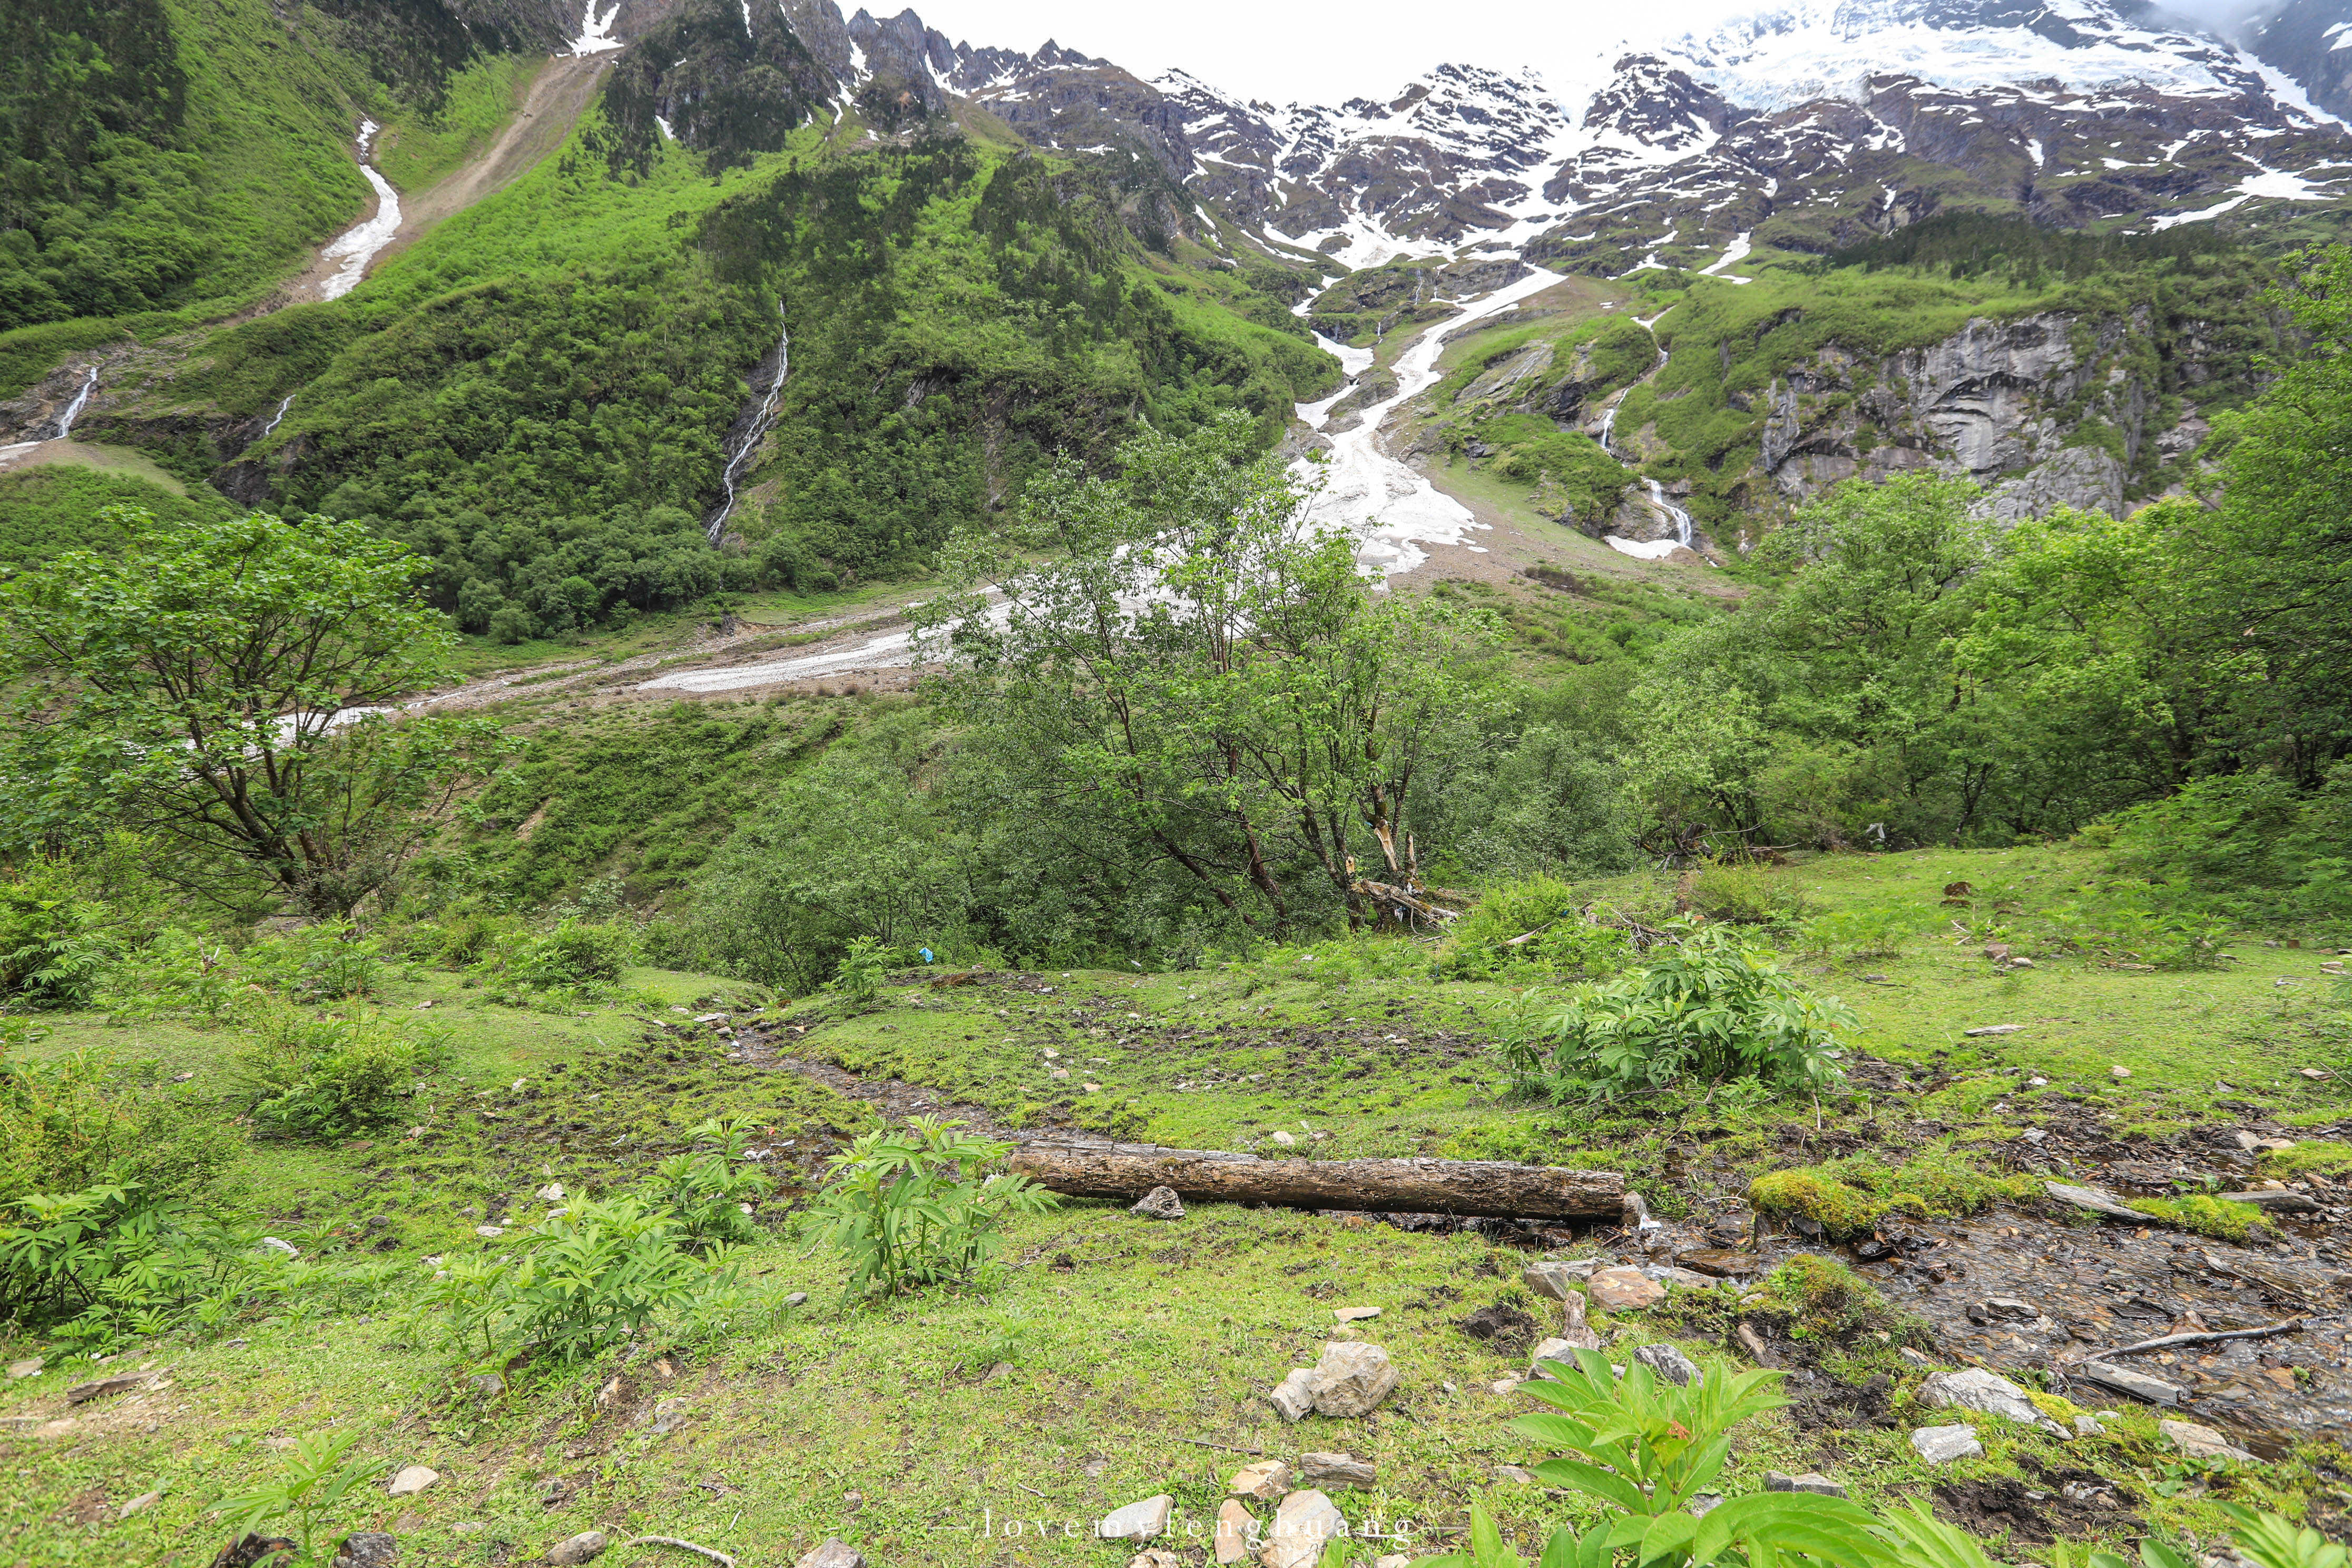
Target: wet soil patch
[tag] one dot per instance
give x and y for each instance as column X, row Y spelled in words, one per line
column 1503, row 1326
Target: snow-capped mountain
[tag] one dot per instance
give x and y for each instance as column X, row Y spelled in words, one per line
column 1805, row 125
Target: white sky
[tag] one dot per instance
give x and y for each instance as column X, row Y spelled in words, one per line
column 1321, row 51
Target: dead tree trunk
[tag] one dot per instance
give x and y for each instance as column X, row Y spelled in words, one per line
column 1490, row 1187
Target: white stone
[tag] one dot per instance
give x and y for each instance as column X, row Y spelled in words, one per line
column 1670, row 1364
column 1975, row 1388
column 1137, row 1520
column 1285, row 1140
column 2200, row 1442
column 1352, row 1379
column 412, row 1479
column 1942, row 1445
column 283, row 1248
column 1294, row 1396
column 584, row 1547
column 1266, row 1480
column 1304, row 1522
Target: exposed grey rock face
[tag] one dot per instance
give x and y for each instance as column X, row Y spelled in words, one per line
column 1942, row 1445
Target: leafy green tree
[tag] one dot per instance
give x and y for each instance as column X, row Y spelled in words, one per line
column 227, row 688
column 1176, row 661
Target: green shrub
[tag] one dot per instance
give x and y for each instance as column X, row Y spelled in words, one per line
column 865, row 964
column 179, row 974
column 323, row 1076
column 53, row 944
column 1746, row 895
column 327, row 961
column 707, row 1188
column 577, row 956
column 114, row 1262
column 596, row 1273
column 910, row 1208
column 1877, row 930
column 71, row 1123
column 1534, row 922
column 1712, row 1008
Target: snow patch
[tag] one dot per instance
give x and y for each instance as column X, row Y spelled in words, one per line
column 596, row 36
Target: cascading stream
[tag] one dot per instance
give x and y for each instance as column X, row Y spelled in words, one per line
column 751, row 438
column 275, row 420
column 1686, row 532
column 356, row 246
column 73, row 409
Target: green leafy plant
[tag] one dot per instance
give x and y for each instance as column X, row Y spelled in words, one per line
column 179, row 973
column 911, row 1208
column 328, row 961
column 1711, row 1008
column 576, row 955
column 864, row 963
column 312, row 1476
column 1874, row 931
column 707, row 1188
column 1644, row 1448
column 596, row 1273
column 53, row 944
column 99, row 1265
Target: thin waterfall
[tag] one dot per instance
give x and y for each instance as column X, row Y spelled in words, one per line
column 1682, row 533
column 73, row 409
column 275, row 420
column 742, row 454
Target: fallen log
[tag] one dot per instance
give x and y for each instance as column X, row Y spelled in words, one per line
column 1088, row 1169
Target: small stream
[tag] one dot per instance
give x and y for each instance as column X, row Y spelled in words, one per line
column 733, row 471
column 357, row 247
column 73, row 409
column 1686, row 534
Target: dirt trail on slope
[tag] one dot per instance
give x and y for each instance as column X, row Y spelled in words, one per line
column 557, row 95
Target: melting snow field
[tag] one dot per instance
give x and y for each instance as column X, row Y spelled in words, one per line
column 596, row 36
column 1396, row 509
column 357, row 247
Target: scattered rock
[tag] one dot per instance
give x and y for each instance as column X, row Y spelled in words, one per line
column 551, row 1194
column 1818, row 1485
column 667, row 1416
column 1335, row 1469
column 2119, row 1071
column 1993, row 1029
column 1505, row 1385
column 2284, row 1200
column 1942, row 1445
column 1285, row 1140
column 258, row 1551
column 1722, row 1261
column 1753, row 1344
column 1703, row 1504
column 1395, row 1560
column 1352, row 1379
column 1294, row 1396
column 2094, row 1199
column 487, row 1385
column 1975, row 1388
column 108, row 1387
column 1354, row 1314
column 1554, row 1280
column 1670, row 1364
column 2123, row 1379
column 1159, row 1202
column 489, row 1232
column 2008, row 1309
column 1684, row 1277
column 2089, row 1426
column 139, row 1504
column 1624, row 1290
column 834, row 1555
column 1266, row 1480
column 1514, row 1473
column 798, row 1298
column 29, row 1367
column 1236, row 1528
column 1136, row 1522
column 414, row 1479
column 1301, row 1525
column 1155, row 1557
column 367, row 1549
column 2201, row 1442
column 584, row 1547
